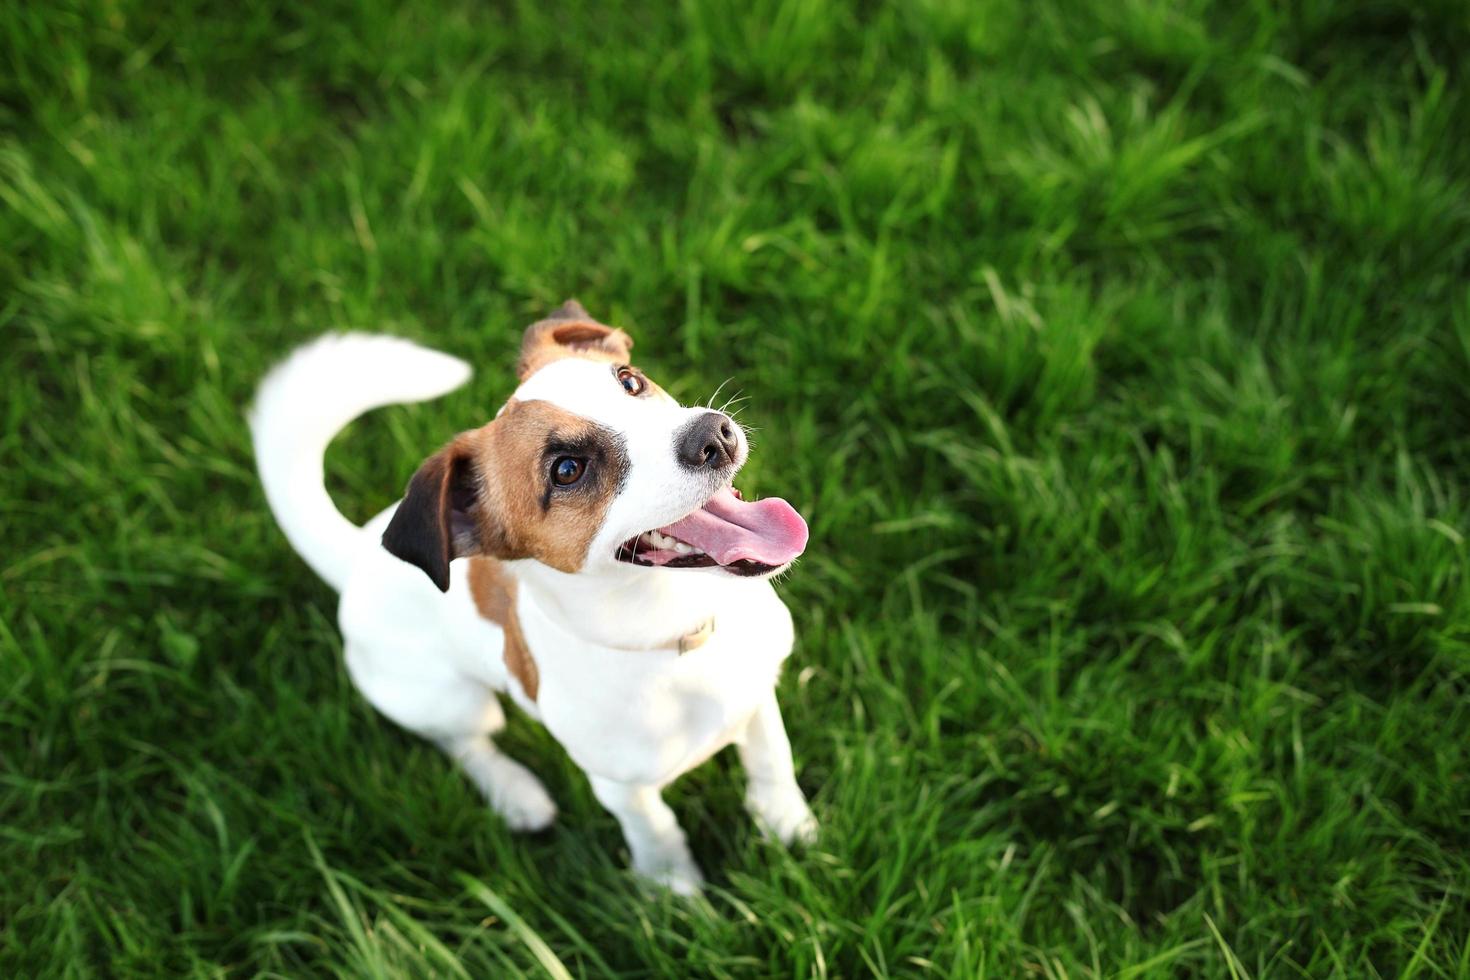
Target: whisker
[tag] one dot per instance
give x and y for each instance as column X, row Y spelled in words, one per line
column 732, row 400
column 711, row 400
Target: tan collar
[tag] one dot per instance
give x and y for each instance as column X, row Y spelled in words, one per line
column 687, row 643
column 697, row 637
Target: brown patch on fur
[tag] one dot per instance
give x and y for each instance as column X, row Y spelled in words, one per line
column 530, row 518
column 570, row 332
column 489, row 492
column 494, row 592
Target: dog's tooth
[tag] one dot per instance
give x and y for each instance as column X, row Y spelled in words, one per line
column 659, row 540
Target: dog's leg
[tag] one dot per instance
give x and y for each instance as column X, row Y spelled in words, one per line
column 459, row 715
column 659, row 850
column 772, row 796
column 511, row 789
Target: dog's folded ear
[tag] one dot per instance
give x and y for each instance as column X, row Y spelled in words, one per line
column 568, row 332
column 434, row 524
column 570, row 310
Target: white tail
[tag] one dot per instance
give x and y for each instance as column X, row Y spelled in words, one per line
column 310, row 397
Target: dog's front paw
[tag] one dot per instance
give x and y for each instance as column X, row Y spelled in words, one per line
column 529, row 813
column 783, row 816
column 676, row 872
column 521, row 799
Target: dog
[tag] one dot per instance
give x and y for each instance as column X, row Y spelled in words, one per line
column 585, row 553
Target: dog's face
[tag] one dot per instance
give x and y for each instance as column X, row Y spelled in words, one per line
column 592, row 468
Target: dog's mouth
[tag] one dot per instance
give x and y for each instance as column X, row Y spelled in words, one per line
column 740, row 536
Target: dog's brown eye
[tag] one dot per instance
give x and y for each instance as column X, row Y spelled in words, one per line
column 632, row 383
column 567, row 470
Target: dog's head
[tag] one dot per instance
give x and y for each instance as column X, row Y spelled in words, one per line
column 591, row 467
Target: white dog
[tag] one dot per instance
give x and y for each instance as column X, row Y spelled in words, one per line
column 585, row 553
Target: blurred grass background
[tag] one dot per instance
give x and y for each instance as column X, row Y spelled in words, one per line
column 1118, row 354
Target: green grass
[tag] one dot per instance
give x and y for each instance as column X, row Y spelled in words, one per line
column 1119, row 354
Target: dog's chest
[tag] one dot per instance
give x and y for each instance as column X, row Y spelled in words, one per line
column 648, row 716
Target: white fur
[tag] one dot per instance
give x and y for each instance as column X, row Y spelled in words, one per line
column 629, row 709
column 304, row 402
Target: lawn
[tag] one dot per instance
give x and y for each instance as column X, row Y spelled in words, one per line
column 1118, row 354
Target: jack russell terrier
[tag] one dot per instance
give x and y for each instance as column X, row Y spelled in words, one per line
column 585, row 553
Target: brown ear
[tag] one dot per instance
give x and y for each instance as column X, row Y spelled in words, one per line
column 433, row 525
column 568, row 332
column 570, row 310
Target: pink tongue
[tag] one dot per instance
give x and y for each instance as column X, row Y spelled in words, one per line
column 728, row 529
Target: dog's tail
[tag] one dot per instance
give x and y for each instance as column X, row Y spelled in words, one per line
column 308, row 399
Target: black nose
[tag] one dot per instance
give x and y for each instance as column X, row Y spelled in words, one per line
column 707, row 443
